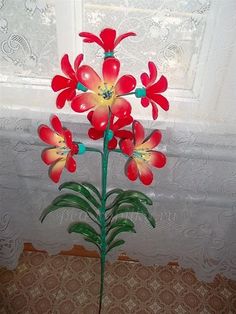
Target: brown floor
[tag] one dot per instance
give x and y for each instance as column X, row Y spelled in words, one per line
column 70, row 284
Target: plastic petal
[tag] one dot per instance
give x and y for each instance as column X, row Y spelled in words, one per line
column 157, row 159
column 84, row 102
column 91, row 38
column 56, row 169
column 145, row 79
column 88, row 77
column 161, row 101
column 160, row 86
column 66, row 67
column 95, row 134
column 60, row 82
column 108, row 36
column 145, row 173
column 131, row 169
column 153, row 71
column 68, row 138
column 121, row 108
column 154, row 110
column 139, row 134
column 120, row 123
column 65, row 95
column 56, row 124
column 124, row 134
column 123, row 36
column 78, row 61
column 127, row 147
column 70, row 163
column 100, row 117
column 144, row 102
column 110, row 70
column 50, row 155
column 112, row 143
column 151, row 141
column 49, row 136
column 125, row 84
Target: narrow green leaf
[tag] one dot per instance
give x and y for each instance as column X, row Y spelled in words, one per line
column 115, row 244
column 121, row 222
column 119, row 230
column 136, row 207
column 134, row 194
column 86, row 230
column 92, row 188
column 114, row 191
column 78, row 187
column 72, row 200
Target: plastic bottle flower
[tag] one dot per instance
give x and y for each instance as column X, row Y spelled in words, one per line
column 114, row 129
column 67, row 84
column 151, row 92
column 141, row 154
column 107, row 40
column 104, row 94
column 61, row 154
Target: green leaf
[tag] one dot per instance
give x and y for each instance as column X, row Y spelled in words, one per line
column 115, row 244
column 92, row 188
column 114, row 191
column 86, row 230
column 119, row 230
column 134, row 194
column 121, row 222
column 78, row 187
column 94, row 242
column 72, row 200
column 135, row 207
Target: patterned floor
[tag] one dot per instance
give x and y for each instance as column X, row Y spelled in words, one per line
column 70, row 284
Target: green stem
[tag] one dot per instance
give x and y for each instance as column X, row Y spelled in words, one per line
column 132, row 93
column 91, row 149
column 105, row 156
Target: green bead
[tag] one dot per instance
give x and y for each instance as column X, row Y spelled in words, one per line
column 110, row 134
column 81, row 87
column 108, row 54
column 82, row 149
column 140, row 92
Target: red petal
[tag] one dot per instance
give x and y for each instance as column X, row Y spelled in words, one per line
column 48, row 136
column 123, row 36
column 90, row 38
column 127, row 147
column 66, row 67
column 144, row 101
column 151, row 141
column 78, row 61
column 88, row 77
column 108, row 36
column 50, row 155
column 131, row 169
column 70, row 163
column 145, row 173
column 84, row 102
column 154, row 111
column 60, row 82
column 121, row 108
column 159, row 87
column 68, row 138
column 89, row 115
column 145, row 79
column 110, row 70
column 152, row 71
column 125, row 84
column 95, row 134
column 124, row 134
column 161, row 101
column 138, row 131
column 56, row 169
column 112, row 143
column 157, row 159
column 100, row 117
column 67, row 94
column 120, row 123
column 56, row 124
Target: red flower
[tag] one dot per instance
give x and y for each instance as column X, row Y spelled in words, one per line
column 60, row 155
column 68, row 84
column 152, row 91
column 142, row 154
column 104, row 93
column 107, row 40
column 114, row 127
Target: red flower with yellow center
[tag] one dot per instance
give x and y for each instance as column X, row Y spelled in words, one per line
column 61, row 154
column 67, row 84
column 108, row 40
column 114, row 129
column 142, row 154
column 104, row 94
column 151, row 92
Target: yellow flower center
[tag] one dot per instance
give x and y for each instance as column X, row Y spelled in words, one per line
column 106, row 94
column 142, row 154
